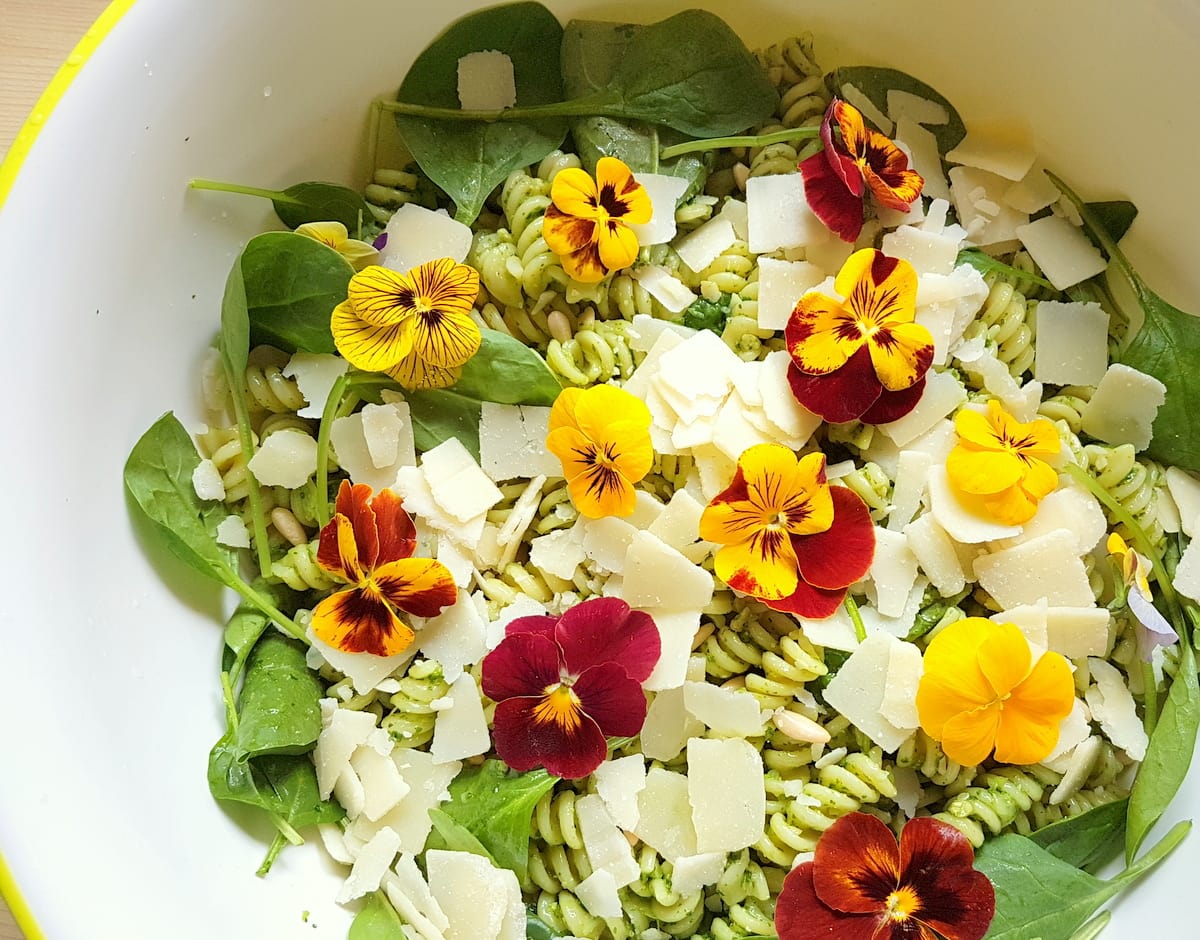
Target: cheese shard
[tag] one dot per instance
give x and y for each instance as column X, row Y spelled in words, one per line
column 693, row 872
column 207, row 482
column 1072, row 508
column 512, row 442
column 486, row 81
column 343, row 732
column 702, row 247
column 409, row 893
column 374, row 859
column 778, row 214
column 658, row 576
column 726, row 792
column 912, row 470
column 1004, row 158
column 664, row 287
column 942, row 395
column 956, row 518
column 665, row 815
column 925, row 158
column 904, row 104
column 459, row 487
column 315, row 375
column 977, row 194
column 559, row 553
column 618, row 782
column 1123, row 407
column 1043, row 567
column 286, row 458
column 1185, row 491
column 1112, row 705
column 461, row 730
column 598, row 893
column 935, row 554
column 364, row 670
column 725, row 711
column 676, row 631
column 1070, row 343
column 1187, row 572
column 893, row 572
column 383, row 787
column 1064, row 253
column 417, row 235
column 348, row 435
column 927, row 252
column 473, row 893
column 664, row 192
column 780, row 286
column 779, row 405
column 232, row 531
column 667, row 727
column 899, row 704
column 428, row 782
column 858, row 690
column 607, row 848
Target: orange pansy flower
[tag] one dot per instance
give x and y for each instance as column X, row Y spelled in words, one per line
column 588, row 224
column 367, row 545
column 999, row 466
column 981, row 691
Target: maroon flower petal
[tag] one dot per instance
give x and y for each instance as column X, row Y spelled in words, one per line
column 614, row 701
column 836, row 151
column 542, row 625
column 856, row 865
column 830, row 199
column 891, row 406
column 809, row 602
column 842, row 554
column 800, row 914
column 936, row 861
column 839, row 396
column 353, row 502
column 524, row 742
column 605, row 630
column 522, row 665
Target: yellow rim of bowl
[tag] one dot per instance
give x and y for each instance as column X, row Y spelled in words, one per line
column 8, row 174
column 33, row 125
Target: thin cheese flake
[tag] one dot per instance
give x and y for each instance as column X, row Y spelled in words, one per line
column 232, row 531
column 460, row 488
column 1123, row 407
column 780, row 286
column 665, row 815
column 1185, row 491
column 858, row 689
column 416, row 235
column 1070, row 343
column 676, row 631
column 725, row 711
column 664, row 287
column 666, row 730
column 207, row 482
column 1064, row 253
column 893, row 572
column 942, row 395
column 286, row 458
column 486, row 81
column 374, row 859
column 315, row 375
column 658, row 576
column 778, row 214
column 701, row 248
column 618, row 782
column 606, row 846
column 665, row 193
column 1043, row 567
column 726, row 792
column 1113, row 707
column 461, row 730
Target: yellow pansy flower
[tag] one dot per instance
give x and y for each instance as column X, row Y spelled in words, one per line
column 335, row 235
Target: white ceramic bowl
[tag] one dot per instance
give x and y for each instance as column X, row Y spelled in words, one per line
column 111, row 273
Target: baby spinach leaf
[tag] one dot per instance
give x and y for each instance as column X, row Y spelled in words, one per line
column 1116, row 216
column 875, row 82
column 247, row 623
column 376, row 920
column 1040, row 895
column 496, row 806
column 450, row 835
column 304, row 202
column 288, row 787
column 291, row 284
column 1093, row 928
column 1089, row 840
column 538, row 929
column 468, row 159
column 279, row 709
column 1165, row 347
column 1169, row 754
column 439, row 414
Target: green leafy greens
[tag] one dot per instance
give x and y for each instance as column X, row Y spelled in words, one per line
column 305, row 202
column 876, row 81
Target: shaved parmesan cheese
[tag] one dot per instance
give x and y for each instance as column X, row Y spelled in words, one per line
column 943, row 394
column 665, row 287
column 676, row 631
column 780, row 286
column 1187, row 572
column 976, row 194
column 416, row 235
column 428, row 782
column 315, row 375
column 665, row 815
column 364, row 670
column 935, row 554
column 912, row 468
column 693, row 872
column 928, row 252
column 456, row 560
column 1123, row 407
column 598, row 893
column 779, row 405
column 1185, row 491
column 678, row 525
column 374, row 859
column 1043, row 567
column 701, row 248
column 381, row 431
column 462, row 729
column 859, row 99
column 904, row 104
column 232, row 531
column 334, row 843
column 458, row 485
column 512, row 442
column 666, row 730
column 1112, row 705
column 523, row 606
column 606, row 541
column 665, row 193
column 383, row 787
column 715, row 469
column 836, row 632
column 956, row 518
column 644, row 335
column 206, row 480
column 618, row 782
column 486, row 81
column 1079, row 768
column 925, row 158
column 559, row 553
column 343, row 732
column 904, row 671
column 778, row 214
column 901, row 624
column 1075, row 728
column 409, row 894
column 1077, row 632
column 1003, row 157
column 474, row 894
column 732, row 434
column 735, row 211
column 858, row 690
column 606, row 846
column 1033, row 192
column 658, row 576
column 1072, row 508
column 893, row 572
column 348, row 435
column 725, row 711
column 1064, row 253
column 286, row 458
column 726, row 791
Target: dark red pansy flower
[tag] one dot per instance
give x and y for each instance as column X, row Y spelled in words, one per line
column 563, row 685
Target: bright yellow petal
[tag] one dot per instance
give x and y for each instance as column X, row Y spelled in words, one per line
column 1012, row 506
column 562, row 414
column 332, row 234
column 974, row 428
column 622, row 196
column 764, row 565
column 618, row 245
column 632, row 454
column 359, row 254
column 825, row 334
column 983, row 472
column 368, row 346
column 601, row 491
column 444, row 285
column 413, row 372
column 792, row 493
column 884, row 293
column 854, row 269
column 1035, row 710
column 575, row 193
column 901, row 354
column 1004, row 657
column 1040, row 439
column 969, row 737
column 953, row 682
column 1040, row 478
column 854, row 130
column 600, row 406
column 381, row 296
column 731, row 522
column 360, row 621
column 444, row 338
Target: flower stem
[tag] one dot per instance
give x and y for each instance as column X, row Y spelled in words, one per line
column 749, row 140
column 218, row 186
column 860, row 629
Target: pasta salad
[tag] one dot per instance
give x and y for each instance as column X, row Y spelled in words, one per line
column 692, row 493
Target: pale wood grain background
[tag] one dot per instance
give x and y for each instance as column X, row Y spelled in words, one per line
column 36, row 36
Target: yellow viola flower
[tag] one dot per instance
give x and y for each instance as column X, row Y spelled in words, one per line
column 602, row 436
column 1000, row 465
column 334, row 234
column 416, row 327
column 981, row 691
column 587, row 225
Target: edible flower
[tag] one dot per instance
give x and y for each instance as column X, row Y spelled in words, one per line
column 856, row 161
column 587, row 225
column 788, row 538
column 863, row 358
column 562, row 684
column 602, row 436
column 981, row 691
column 335, row 235
column 999, row 467
column 862, row 885
column 1153, row 628
column 416, row 327
column 367, row 544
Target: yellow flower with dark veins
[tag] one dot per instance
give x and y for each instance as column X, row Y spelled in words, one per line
column 602, row 436
column 416, row 327
column 587, row 225
column 336, row 236
column 999, row 466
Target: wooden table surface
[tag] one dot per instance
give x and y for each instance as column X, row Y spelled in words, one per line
column 36, row 36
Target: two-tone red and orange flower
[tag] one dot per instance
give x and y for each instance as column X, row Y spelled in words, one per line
column 787, row 537
column 416, row 327
column 602, row 436
column 587, row 225
column 855, row 163
column 1000, row 466
column 862, row 885
column 863, row 358
column 368, row 545
column 561, row 685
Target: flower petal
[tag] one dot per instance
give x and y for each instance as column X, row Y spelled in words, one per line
column 1013, row 506
column 331, row 234
column 562, row 413
column 975, row 428
column 524, row 743
column 892, row 406
column 337, row 552
column 856, row 865
column 618, row 245
column 414, row 372
column 887, row 174
column 844, row 153
column 396, row 533
column 381, row 296
column 878, row 288
column 524, row 664
column 359, row 621
column 968, row 737
column 801, row 915
column 1035, row 709
column 937, row 860
column 1004, row 657
column 576, row 242
column 606, row 630
column 842, row 554
column 1040, row 480
column 612, row 699
column 808, row 602
column 953, row 682
column 542, row 625
column 841, row 396
column 422, row 587
column 831, row 201
column 574, row 193
column 595, row 483
column 821, row 334
column 597, row 409
column 367, row 346
column 621, row 195
column 764, row 566
column 983, row 472
column 901, row 354
column 354, row 502
column 445, row 338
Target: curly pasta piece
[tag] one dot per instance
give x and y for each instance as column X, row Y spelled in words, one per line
column 411, row 718
column 1133, row 482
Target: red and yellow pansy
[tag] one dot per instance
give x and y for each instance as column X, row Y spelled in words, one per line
column 587, row 225
column 855, row 163
column 863, row 358
column 368, row 545
column 787, row 537
column 561, row 685
column 862, row 885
